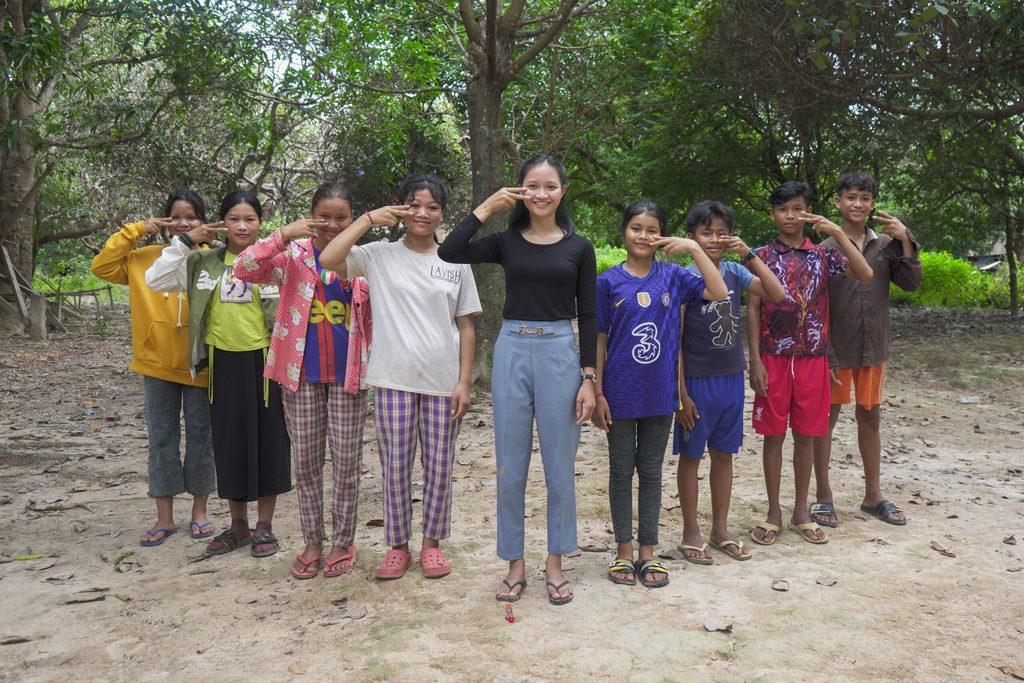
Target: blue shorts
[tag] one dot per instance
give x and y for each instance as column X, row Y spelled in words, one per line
column 719, row 402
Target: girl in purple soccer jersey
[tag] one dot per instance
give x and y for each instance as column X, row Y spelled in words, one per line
column 638, row 310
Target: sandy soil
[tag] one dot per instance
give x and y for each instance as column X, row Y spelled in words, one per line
column 877, row 602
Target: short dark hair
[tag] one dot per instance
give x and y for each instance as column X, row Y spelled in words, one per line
column 705, row 212
column 858, row 180
column 790, row 190
column 424, row 181
column 330, row 190
column 237, row 197
column 642, row 206
column 519, row 217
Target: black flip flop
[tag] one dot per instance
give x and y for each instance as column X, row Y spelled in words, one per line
column 511, row 586
column 823, row 509
column 558, row 589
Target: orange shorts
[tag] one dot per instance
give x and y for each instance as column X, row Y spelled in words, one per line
column 869, row 385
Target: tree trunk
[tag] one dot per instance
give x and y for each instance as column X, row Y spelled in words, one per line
column 17, row 176
column 1012, row 246
column 488, row 162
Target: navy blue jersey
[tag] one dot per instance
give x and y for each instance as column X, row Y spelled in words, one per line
column 711, row 329
column 641, row 318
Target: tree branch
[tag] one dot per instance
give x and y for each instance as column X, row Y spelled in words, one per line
column 563, row 15
column 469, row 22
column 983, row 114
column 76, row 143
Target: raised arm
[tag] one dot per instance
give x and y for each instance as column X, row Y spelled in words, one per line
column 336, row 252
column 263, row 262
column 169, row 273
column 905, row 266
column 764, row 284
column 111, row 264
column 859, row 267
column 714, row 285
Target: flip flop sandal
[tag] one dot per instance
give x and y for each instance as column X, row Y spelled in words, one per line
column 196, row 526
column 558, row 590
column 310, row 568
column 740, row 554
column 149, row 542
column 653, row 567
column 618, row 567
column 434, row 564
column 694, row 549
column 767, row 527
column 229, row 541
column 341, row 565
column 511, row 597
column 394, row 565
column 818, row 512
column 802, row 529
column 264, row 538
column 884, row 510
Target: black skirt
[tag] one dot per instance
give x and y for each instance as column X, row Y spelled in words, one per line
column 250, row 442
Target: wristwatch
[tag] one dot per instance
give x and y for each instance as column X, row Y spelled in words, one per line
column 589, row 375
column 751, row 255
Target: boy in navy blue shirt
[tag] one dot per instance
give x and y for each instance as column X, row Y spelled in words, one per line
column 711, row 395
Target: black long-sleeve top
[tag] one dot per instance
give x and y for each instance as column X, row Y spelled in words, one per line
column 542, row 281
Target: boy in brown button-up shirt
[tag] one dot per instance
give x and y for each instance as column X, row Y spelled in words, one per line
column 861, row 342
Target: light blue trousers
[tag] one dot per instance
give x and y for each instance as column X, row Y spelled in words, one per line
column 536, row 374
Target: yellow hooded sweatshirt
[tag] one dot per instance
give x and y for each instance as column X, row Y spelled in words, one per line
column 159, row 319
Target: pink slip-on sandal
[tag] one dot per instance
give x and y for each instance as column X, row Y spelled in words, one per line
column 434, row 564
column 394, row 565
column 340, row 565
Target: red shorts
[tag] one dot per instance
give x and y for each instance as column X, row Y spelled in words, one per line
column 798, row 393
column 869, row 383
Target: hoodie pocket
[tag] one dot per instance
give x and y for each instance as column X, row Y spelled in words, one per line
column 165, row 345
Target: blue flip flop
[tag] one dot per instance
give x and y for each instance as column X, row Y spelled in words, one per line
column 196, row 526
column 149, row 543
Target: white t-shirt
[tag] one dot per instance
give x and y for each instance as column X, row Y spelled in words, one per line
column 415, row 299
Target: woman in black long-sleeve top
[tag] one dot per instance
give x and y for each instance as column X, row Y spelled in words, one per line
column 538, row 371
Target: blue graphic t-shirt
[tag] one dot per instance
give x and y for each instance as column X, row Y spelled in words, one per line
column 712, row 329
column 330, row 313
column 641, row 318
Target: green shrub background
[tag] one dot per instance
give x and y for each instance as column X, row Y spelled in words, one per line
column 949, row 282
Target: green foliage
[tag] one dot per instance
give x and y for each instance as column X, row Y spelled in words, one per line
column 608, row 256
column 952, row 283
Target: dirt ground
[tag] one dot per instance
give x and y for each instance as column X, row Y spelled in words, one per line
column 939, row 599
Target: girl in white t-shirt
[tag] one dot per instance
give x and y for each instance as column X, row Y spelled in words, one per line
column 420, row 365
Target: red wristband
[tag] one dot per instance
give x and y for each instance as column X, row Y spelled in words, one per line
column 599, row 394
column 369, row 216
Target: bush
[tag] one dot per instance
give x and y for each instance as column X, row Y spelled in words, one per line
column 952, row 283
column 608, row 256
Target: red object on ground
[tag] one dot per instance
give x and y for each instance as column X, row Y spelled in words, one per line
column 509, row 616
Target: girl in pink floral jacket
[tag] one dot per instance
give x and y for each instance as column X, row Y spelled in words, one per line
column 318, row 354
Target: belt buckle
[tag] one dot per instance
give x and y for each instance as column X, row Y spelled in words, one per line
column 523, row 329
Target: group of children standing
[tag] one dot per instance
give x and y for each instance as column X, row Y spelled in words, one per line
column 280, row 335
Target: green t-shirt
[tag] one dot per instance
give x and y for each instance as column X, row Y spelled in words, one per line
column 234, row 318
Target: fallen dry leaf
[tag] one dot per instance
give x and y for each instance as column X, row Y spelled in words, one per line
column 780, row 585
column 298, row 668
column 1010, row 540
column 941, row 549
column 375, row 522
column 11, row 640
column 1012, row 671
column 826, row 581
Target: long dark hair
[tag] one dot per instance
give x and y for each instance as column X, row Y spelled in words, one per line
column 183, row 194
column 237, row 197
column 519, row 218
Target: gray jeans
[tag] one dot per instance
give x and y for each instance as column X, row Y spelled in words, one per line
column 165, row 403
column 636, row 446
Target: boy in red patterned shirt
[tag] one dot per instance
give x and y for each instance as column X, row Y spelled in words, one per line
column 789, row 344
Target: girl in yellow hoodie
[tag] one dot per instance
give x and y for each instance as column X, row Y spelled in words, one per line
column 159, row 354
